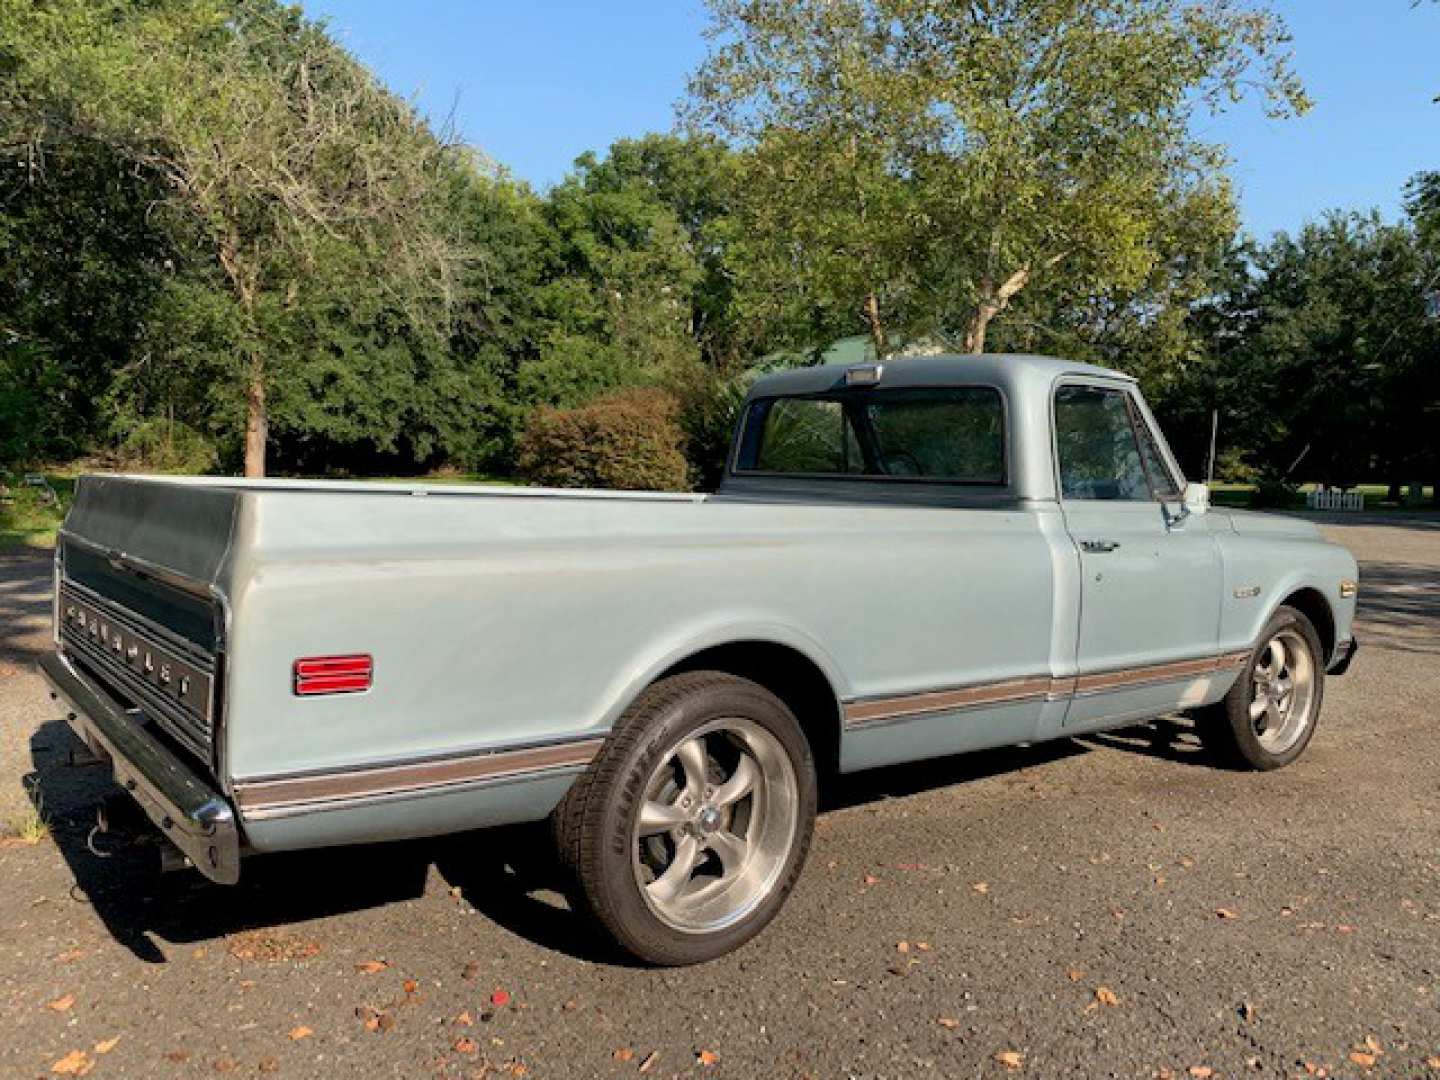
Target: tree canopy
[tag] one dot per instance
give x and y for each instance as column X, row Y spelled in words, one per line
column 225, row 245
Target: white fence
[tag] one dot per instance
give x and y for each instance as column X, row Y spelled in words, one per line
column 1334, row 500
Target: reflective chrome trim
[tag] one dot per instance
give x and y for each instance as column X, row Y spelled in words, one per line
column 282, row 796
column 874, row 711
column 903, row 706
column 1100, row 682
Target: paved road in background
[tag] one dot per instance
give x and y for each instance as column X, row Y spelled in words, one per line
column 1107, row 906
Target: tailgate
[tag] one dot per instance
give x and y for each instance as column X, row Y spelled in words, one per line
column 140, row 601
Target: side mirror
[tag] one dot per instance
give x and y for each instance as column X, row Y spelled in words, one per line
column 1197, row 498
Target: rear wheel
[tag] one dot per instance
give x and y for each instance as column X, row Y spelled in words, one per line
column 690, row 829
column 1268, row 717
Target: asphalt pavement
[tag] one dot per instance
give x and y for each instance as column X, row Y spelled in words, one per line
column 1108, row 906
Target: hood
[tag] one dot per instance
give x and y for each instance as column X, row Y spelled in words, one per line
column 1251, row 523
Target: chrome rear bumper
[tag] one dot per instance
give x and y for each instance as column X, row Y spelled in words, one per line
column 186, row 809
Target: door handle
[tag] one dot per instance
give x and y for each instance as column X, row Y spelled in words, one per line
column 1099, row 547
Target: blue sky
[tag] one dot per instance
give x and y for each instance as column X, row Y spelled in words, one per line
column 536, row 83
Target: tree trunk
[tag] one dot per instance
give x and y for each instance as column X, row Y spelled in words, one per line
column 877, row 328
column 993, row 300
column 256, row 424
column 979, row 325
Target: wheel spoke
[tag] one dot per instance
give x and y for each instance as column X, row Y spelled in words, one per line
column 1273, row 717
column 677, row 875
column 740, row 784
column 1257, row 708
column 657, row 817
column 691, row 754
column 1277, row 657
column 731, row 850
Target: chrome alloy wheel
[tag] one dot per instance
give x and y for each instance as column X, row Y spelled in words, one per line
column 1282, row 691
column 716, row 826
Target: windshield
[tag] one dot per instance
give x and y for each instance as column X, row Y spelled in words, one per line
column 951, row 434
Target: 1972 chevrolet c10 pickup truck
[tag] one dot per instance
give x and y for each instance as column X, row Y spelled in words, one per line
column 904, row 561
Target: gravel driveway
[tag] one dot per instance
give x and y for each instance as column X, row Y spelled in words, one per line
column 1104, row 906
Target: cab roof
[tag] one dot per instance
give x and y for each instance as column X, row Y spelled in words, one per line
column 1006, row 370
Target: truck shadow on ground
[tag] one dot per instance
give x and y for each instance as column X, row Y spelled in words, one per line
column 508, row 876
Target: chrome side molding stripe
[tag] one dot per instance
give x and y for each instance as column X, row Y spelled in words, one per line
column 877, row 710
column 279, row 797
column 873, row 711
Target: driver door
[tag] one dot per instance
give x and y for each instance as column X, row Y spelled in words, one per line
column 1150, row 574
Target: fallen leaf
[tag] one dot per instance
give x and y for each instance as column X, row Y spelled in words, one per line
column 499, row 998
column 464, row 1019
column 1363, row 1059
column 106, row 1045
column 179, row 1057
column 301, row 1032
column 69, row 955
column 902, row 947
column 706, row 1058
column 623, row 1053
column 226, row 1064
column 1247, row 1011
column 518, row 1069
column 1373, row 1045
column 372, row 967
column 268, row 1065
column 60, row 1004
column 871, row 879
column 1226, row 913
column 650, row 1060
column 1200, row 1072
column 466, row 1045
column 410, row 986
column 1433, row 1062
column 923, row 946
column 471, row 970
column 949, row 1023
column 1011, row 1059
column 1105, row 996
column 1075, row 974
column 1345, row 929
column 270, row 946
column 75, row 1063
column 981, row 887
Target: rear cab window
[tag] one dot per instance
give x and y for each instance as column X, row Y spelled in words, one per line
column 941, row 435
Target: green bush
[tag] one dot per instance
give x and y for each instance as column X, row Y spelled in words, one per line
column 630, row 440
column 167, row 446
column 1272, row 493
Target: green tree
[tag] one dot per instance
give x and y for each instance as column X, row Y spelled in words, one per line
column 280, row 153
column 933, row 159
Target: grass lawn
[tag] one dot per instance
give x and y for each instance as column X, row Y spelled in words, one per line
column 26, row 517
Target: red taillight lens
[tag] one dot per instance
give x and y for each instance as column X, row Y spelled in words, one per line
column 333, row 674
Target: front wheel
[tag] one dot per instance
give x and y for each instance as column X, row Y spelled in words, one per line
column 690, row 829
column 1268, row 717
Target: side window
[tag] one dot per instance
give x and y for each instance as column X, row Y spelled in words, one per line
column 1098, row 453
column 808, row 435
column 1162, row 480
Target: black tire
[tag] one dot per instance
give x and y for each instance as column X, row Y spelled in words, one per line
column 595, row 825
column 1227, row 729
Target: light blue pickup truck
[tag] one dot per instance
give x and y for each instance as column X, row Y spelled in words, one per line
column 904, row 561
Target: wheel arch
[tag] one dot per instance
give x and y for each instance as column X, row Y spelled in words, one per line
column 1311, row 603
column 789, row 674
